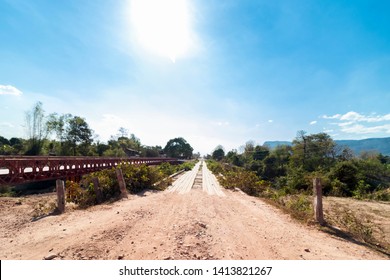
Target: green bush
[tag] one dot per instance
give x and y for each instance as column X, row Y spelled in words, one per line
column 6, row 190
column 247, row 181
column 139, row 177
column 297, row 179
column 79, row 195
column 382, row 195
column 215, row 167
column 167, row 169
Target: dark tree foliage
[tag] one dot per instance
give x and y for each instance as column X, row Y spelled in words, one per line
column 79, row 133
column 218, row 153
column 313, row 152
column 178, row 148
column 4, row 141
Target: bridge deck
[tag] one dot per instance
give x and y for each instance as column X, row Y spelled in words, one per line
column 24, row 169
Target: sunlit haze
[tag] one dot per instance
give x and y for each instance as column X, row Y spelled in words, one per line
column 162, row 27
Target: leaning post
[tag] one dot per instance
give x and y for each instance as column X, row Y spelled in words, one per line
column 60, row 188
column 318, row 209
column 121, row 181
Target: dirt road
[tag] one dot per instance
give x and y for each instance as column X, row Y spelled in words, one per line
column 193, row 219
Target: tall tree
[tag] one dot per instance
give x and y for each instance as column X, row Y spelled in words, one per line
column 59, row 125
column 37, row 129
column 314, row 151
column 123, row 132
column 79, row 133
column 218, row 153
column 178, row 148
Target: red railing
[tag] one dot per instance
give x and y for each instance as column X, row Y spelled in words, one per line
column 24, row 169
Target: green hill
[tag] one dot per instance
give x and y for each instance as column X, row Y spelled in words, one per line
column 380, row 145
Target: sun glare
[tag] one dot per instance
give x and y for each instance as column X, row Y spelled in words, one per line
column 162, row 27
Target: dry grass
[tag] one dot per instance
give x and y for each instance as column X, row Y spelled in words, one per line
column 366, row 221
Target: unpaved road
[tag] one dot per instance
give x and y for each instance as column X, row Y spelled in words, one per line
column 193, row 219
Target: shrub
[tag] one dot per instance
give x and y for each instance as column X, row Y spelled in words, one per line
column 167, row 169
column 215, row 167
column 296, row 179
column 139, row 177
column 83, row 197
column 382, row 195
column 6, row 190
column 247, row 181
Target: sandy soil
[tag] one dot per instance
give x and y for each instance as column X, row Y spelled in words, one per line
column 193, row 219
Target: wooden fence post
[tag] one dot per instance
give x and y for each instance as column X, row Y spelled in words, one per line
column 60, row 188
column 98, row 190
column 121, row 181
column 318, row 210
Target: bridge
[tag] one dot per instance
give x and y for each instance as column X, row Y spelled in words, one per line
column 24, row 169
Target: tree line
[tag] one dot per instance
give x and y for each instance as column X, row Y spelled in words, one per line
column 67, row 135
column 290, row 169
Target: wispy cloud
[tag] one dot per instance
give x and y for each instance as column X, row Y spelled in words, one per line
column 108, row 125
column 356, row 117
column 9, row 90
column 361, row 129
column 313, row 122
column 331, row 117
column 223, row 123
column 7, row 124
column 356, row 123
column 328, row 130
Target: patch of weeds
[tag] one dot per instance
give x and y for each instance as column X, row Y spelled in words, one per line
column 7, row 191
column 299, row 206
column 360, row 228
column 43, row 209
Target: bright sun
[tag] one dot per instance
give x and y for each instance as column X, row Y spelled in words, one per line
column 162, row 26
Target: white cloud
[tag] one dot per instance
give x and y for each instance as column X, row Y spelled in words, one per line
column 313, row 122
column 357, row 123
column 356, row 117
column 337, row 116
column 108, row 125
column 328, row 130
column 344, row 124
column 9, row 90
column 361, row 129
column 270, row 121
column 220, row 123
column 7, row 124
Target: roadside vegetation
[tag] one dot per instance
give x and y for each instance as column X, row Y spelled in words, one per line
column 7, row 191
column 283, row 176
column 138, row 178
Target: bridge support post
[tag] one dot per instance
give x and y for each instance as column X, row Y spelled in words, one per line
column 98, row 190
column 122, row 184
column 60, row 187
column 318, row 209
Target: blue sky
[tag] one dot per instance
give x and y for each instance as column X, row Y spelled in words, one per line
column 214, row 72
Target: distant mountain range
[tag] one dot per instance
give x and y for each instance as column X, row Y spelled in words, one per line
column 380, row 145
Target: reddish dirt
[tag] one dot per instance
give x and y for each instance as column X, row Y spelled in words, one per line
column 195, row 224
